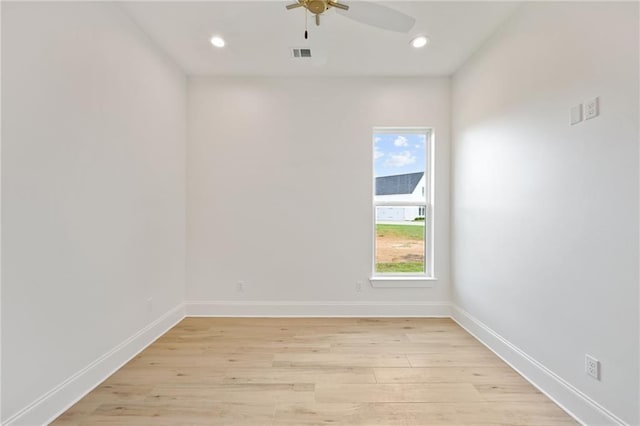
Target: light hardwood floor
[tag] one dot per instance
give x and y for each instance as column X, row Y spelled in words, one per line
column 286, row 371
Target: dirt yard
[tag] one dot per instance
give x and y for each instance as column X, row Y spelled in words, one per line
column 399, row 250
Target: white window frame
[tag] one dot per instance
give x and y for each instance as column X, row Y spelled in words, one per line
column 427, row 278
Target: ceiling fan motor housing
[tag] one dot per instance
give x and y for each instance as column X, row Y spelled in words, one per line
column 317, row 6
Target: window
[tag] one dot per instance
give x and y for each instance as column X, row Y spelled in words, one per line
column 402, row 204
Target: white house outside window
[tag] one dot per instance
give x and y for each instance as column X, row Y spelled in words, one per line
column 402, row 203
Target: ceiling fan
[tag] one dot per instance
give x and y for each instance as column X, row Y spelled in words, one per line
column 369, row 13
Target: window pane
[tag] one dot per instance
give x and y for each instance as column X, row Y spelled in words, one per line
column 400, row 161
column 400, row 244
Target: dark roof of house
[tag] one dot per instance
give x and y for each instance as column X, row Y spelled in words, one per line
column 397, row 184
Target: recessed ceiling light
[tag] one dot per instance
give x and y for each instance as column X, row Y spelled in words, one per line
column 217, row 41
column 420, row 41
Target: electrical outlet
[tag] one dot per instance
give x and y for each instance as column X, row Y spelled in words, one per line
column 359, row 286
column 592, row 367
column 591, row 108
column 240, row 286
column 150, row 304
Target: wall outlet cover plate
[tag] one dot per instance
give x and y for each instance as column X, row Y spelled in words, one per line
column 591, row 108
column 576, row 114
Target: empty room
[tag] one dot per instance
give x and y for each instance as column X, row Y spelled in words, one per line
column 313, row 212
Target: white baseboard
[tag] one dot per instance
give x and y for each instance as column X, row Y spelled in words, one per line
column 221, row 308
column 573, row 401
column 55, row 402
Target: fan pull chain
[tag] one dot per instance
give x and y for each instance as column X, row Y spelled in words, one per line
column 306, row 19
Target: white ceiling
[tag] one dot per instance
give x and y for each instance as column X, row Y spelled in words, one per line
column 259, row 36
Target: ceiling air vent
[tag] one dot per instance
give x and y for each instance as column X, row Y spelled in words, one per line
column 301, row 52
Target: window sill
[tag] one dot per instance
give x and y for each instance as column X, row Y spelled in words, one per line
column 402, row 282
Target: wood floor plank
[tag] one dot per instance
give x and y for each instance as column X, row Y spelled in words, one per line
column 156, row 375
column 532, row 413
column 365, row 414
column 454, row 336
column 340, row 360
column 118, row 393
column 514, row 392
column 459, row 414
column 467, row 358
column 352, row 337
column 475, row 375
column 235, row 393
column 310, row 371
column 200, row 413
column 436, row 392
column 300, row 375
column 204, row 359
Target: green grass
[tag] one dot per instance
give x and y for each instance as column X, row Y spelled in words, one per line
column 409, row 232
column 400, row 267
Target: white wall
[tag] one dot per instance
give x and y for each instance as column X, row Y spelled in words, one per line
column 280, row 183
column 93, row 190
column 546, row 214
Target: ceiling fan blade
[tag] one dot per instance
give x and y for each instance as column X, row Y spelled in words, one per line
column 377, row 15
column 293, row 6
column 338, row 5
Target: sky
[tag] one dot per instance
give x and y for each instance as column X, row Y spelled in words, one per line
column 398, row 153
